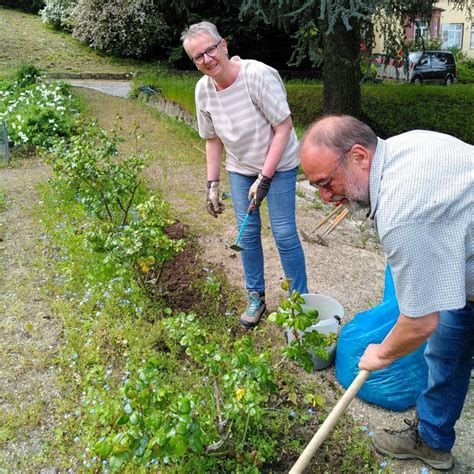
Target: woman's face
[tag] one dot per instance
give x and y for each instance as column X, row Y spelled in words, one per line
column 213, row 66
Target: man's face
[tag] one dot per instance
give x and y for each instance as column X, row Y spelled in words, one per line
column 338, row 177
column 212, row 64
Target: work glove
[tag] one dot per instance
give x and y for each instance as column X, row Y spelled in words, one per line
column 258, row 191
column 214, row 204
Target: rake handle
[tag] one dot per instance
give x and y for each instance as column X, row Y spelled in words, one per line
column 336, row 221
column 330, row 421
column 325, row 219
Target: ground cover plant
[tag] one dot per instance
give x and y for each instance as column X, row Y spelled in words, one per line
column 36, row 112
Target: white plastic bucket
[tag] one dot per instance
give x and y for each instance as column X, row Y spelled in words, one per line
column 330, row 314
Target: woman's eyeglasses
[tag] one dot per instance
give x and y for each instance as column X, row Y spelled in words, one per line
column 211, row 52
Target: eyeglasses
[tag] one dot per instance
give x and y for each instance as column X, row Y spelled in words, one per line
column 211, row 52
column 326, row 183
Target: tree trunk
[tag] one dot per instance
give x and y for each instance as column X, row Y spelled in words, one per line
column 341, row 71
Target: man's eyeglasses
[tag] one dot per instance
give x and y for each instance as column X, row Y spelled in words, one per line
column 326, row 183
column 211, row 52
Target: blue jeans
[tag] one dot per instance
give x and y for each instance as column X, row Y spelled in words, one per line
column 449, row 355
column 281, row 207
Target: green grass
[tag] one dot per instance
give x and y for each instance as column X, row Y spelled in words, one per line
column 24, row 38
column 178, row 88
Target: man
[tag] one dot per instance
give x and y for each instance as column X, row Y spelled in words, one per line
column 419, row 189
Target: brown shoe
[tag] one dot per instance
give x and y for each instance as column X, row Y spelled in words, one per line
column 255, row 308
column 407, row 444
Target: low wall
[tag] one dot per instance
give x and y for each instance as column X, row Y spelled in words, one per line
column 170, row 108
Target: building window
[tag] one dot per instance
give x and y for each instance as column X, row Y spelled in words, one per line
column 472, row 36
column 422, row 29
column 452, row 35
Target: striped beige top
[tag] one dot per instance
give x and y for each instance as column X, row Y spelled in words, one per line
column 243, row 116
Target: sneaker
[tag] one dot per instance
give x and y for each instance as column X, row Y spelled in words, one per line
column 407, row 444
column 255, row 308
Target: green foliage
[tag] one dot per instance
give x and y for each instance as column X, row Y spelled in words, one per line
column 142, row 244
column 130, row 229
column 125, row 29
column 27, row 75
column 396, row 108
column 106, row 184
column 420, row 44
column 290, row 315
column 155, row 426
column 37, row 113
column 464, row 67
column 393, row 109
column 30, row 6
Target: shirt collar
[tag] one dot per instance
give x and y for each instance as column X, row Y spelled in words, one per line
column 376, row 168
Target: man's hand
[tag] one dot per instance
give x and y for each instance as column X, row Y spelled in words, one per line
column 214, row 204
column 371, row 359
column 258, row 191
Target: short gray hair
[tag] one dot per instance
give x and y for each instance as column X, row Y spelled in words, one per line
column 198, row 29
column 340, row 133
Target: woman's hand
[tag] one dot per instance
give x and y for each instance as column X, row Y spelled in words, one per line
column 258, row 191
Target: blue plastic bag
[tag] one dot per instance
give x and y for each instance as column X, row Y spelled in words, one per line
column 398, row 386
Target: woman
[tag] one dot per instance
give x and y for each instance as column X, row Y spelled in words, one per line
column 241, row 106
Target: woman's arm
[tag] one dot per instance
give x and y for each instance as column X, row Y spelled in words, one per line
column 214, row 148
column 277, row 147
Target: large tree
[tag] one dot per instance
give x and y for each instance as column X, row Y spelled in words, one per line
column 331, row 31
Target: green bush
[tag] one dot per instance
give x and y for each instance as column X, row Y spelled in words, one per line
column 58, row 13
column 396, row 108
column 120, row 28
column 30, row 6
column 465, row 71
column 305, row 101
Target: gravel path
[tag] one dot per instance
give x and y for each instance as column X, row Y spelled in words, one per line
column 115, row 88
column 29, row 337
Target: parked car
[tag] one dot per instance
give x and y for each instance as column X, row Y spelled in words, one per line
column 430, row 67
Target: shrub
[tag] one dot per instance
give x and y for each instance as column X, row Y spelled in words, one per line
column 120, row 27
column 396, row 108
column 57, row 13
column 30, row 6
column 465, row 71
column 27, row 75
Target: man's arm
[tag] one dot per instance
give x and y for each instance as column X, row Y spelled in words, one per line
column 214, row 149
column 406, row 336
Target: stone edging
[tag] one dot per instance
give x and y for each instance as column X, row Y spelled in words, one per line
column 169, row 108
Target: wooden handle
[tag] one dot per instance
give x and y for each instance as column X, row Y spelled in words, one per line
column 325, row 219
column 330, row 421
column 336, row 222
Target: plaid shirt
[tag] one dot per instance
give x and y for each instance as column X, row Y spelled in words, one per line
column 422, row 201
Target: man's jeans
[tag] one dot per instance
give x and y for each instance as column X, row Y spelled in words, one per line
column 449, row 355
column 281, row 207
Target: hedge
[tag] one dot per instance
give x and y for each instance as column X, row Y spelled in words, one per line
column 30, row 6
column 394, row 109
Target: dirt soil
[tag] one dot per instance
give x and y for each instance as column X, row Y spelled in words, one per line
column 351, row 270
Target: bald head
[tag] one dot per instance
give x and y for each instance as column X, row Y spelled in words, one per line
column 339, row 133
column 336, row 153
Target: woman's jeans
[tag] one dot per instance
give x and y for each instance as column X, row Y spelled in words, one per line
column 449, row 355
column 281, row 207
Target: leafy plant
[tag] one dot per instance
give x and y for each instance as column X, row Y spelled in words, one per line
column 106, row 184
column 37, row 113
column 290, row 315
column 27, row 75
column 155, row 426
column 141, row 244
